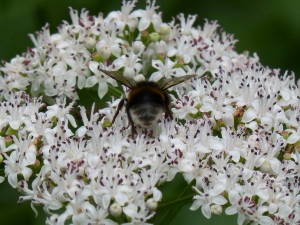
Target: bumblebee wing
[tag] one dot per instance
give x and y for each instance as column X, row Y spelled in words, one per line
column 167, row 83
column 128, row 82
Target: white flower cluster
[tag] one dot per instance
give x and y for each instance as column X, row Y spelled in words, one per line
column 236, row 132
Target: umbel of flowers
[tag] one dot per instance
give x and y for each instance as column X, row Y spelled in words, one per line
column 235, row 136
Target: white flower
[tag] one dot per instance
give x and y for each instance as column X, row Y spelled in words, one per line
column 207, row 198
column 166, row 70
column 148, row 16
column 98, row 78
column 109, row 45
column 124, row 17
column 130, row 62
column 183, row 49
column 218, row 105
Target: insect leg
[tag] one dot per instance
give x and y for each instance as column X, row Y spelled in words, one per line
column 168, row 113
column 120, row 105
column 130, row 122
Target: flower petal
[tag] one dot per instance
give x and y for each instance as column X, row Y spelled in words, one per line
column 102, row 89
column 249, row 115
column 91, row 81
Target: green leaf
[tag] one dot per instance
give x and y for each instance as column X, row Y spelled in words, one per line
column 176, row 194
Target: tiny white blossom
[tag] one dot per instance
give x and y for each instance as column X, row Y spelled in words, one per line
column 98, row 78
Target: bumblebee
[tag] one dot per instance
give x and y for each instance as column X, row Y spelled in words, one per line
column 146, row 101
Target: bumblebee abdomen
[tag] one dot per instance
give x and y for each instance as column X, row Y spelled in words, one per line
column 146, row 115
column 146, row 103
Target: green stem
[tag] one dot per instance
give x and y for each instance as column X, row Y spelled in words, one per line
column 176, row 201
column 115, row 91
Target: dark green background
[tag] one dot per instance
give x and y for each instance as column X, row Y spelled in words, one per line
column 271, row 28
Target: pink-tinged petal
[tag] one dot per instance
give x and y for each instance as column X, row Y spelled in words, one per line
column 249, row 115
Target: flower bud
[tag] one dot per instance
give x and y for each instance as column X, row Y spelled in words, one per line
column 151, row 204
column 164, row 29
column 139, row 77
column 104, row 51
column 115, row 209
column 266, row 168
column 216, row 209
column 89, row 42
column 154, row 37
column 138, row 47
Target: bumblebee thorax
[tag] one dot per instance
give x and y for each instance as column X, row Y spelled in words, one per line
column 146, row 92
